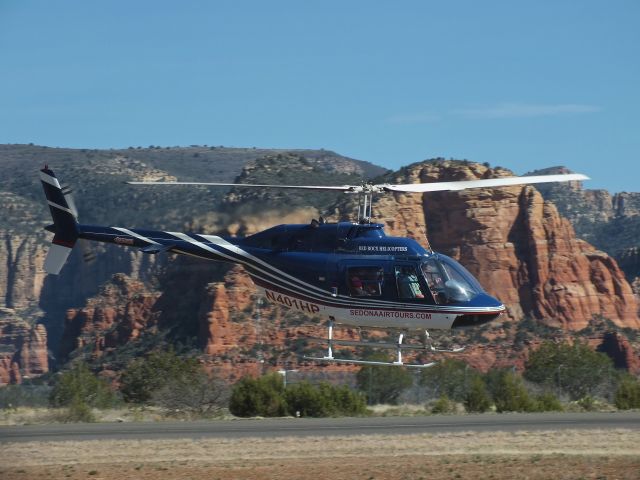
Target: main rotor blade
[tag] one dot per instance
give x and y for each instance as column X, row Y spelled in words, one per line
column 343, row 188
column 484, row 183
column 408, row 188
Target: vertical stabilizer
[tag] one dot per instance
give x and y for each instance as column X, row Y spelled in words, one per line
column 65, row 224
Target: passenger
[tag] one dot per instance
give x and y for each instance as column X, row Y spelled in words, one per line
column 356, row 286
column 408, row 284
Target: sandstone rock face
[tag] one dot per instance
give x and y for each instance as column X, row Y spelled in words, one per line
column 516, row 245
column 23, row 349
column 22, row 280
column 618, row 348
column 584, row 205
column 119, row 314
column 224, row 300
column 630, row 262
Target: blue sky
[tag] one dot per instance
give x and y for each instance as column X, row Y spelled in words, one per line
column 524, row 85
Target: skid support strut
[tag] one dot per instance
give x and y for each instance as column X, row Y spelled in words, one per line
column 399, row 346
column 399, row 350
column 329, row 355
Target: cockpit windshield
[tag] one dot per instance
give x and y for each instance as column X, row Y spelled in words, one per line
column 449, row 281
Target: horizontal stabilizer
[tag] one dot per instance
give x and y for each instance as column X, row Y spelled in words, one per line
column 56, row 257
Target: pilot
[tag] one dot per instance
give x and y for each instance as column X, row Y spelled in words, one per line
column 434, row 279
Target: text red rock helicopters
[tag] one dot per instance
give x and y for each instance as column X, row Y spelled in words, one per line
column 350, row 273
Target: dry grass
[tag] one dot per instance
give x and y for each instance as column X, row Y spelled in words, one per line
column 45, row 416
column 499, row 455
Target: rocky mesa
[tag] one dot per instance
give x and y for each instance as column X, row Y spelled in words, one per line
column 512, row 239
column 515, row 243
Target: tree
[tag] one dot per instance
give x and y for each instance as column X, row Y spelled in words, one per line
column 144, row 376
column 383, row 384
column 628, row 393
column 477, row 398
column 262, row 396
column 80, row 387
column 574, row 368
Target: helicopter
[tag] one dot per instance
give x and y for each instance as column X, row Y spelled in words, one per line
column 350, row 273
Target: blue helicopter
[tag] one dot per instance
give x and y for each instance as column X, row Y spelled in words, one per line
column 351, row 273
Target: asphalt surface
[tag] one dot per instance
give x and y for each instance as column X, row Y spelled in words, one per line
column 319, row 427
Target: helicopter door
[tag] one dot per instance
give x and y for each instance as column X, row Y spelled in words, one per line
column 409, row 285
column 363, row 279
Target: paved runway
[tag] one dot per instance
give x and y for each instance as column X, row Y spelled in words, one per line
column 321, row 426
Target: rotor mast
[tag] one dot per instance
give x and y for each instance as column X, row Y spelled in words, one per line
column 365, row 193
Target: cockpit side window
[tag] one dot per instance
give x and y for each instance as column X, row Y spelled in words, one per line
column 408, row 282
column 365, row 281
column 448, row 281
column 436, row 279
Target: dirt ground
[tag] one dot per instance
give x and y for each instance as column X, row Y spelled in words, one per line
column 569, row 454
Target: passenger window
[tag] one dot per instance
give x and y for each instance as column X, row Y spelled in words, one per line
column 365, row 281
column 408, row 283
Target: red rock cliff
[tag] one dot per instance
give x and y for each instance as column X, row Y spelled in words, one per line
column 23, row 349
column 516, row 244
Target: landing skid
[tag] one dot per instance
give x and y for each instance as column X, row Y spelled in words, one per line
column 369, row 362
column 399, row 346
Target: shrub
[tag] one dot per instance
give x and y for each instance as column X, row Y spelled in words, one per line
column 511, row 395
column 144, row 376
column 573, row 368
column 267, row 397
column 588, row 403
column 12, row 396
column 383, row 384
column 443, row 405
column 262, row 396
column 324, row 400
column 628, row 393
column 198, row 395
column 348, row 401
column 477, row 399
column 451, row 377
column 76, row 411
column 548, row 402
column 81, row 386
